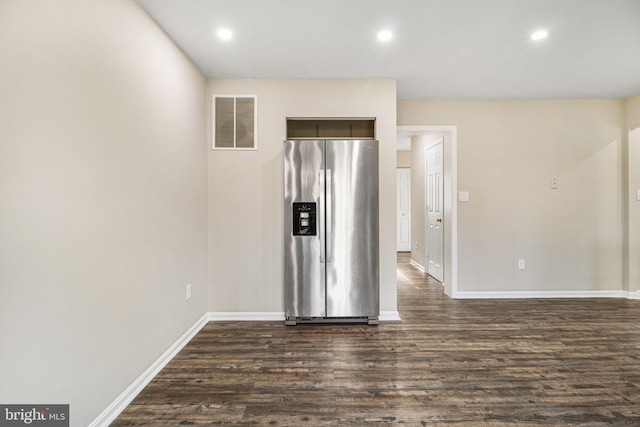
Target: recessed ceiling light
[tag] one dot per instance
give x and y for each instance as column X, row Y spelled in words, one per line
column 224, row 34
column 385, row 36
column 539, row 35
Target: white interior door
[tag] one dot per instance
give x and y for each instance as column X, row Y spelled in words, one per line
column 404, row 209
column 434, row 206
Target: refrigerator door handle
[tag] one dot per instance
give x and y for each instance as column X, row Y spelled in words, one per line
column 329, row 223
column 321, row 216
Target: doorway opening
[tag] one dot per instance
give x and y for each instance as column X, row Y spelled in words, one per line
column 403, row 209
column 423, row 137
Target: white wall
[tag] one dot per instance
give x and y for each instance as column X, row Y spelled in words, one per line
column 508, row 151
column 103, row 189
column 246, row 188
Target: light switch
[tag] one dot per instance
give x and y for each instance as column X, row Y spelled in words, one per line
column 463, row 196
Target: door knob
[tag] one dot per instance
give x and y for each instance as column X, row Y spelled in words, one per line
column 439, row 220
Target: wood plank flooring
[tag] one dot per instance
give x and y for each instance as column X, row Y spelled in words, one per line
column 564, row 362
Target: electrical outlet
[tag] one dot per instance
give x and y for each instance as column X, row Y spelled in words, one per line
column 520, row 264
column 188, row 291
column 554, row 183
column 416, row 245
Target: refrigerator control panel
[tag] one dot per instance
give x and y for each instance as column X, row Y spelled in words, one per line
column 304, row 219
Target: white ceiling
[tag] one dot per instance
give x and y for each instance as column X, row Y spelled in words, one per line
column 440, row 48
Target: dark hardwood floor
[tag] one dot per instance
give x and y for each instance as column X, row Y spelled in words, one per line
column 563, row 362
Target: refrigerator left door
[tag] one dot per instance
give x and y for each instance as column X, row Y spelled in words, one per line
column 304, row 234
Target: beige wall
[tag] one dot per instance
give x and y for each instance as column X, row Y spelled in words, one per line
column 632, row 112
column 103, row 189
column 508, row 151
column 632, row 126
column 404, row 159
column 246, row 189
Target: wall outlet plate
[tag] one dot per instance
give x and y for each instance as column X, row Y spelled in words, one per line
column 188, row 291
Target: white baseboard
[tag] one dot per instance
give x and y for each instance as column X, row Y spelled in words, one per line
column 111, row 413
column 418, row 266
column 541, row 294
column 389, row 316
column 634, row 295
column 268, row 316
column 262, row 316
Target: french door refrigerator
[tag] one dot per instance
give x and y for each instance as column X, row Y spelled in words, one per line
column 331, row 231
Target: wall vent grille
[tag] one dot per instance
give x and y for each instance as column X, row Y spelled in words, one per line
column 235, row 120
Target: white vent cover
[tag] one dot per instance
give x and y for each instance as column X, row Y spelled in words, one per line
column 235, row 120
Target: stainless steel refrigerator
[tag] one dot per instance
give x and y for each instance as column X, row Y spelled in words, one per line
column 331, row 231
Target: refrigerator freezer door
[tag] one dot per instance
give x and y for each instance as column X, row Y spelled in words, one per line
column 352, row 216
column 304, row 269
